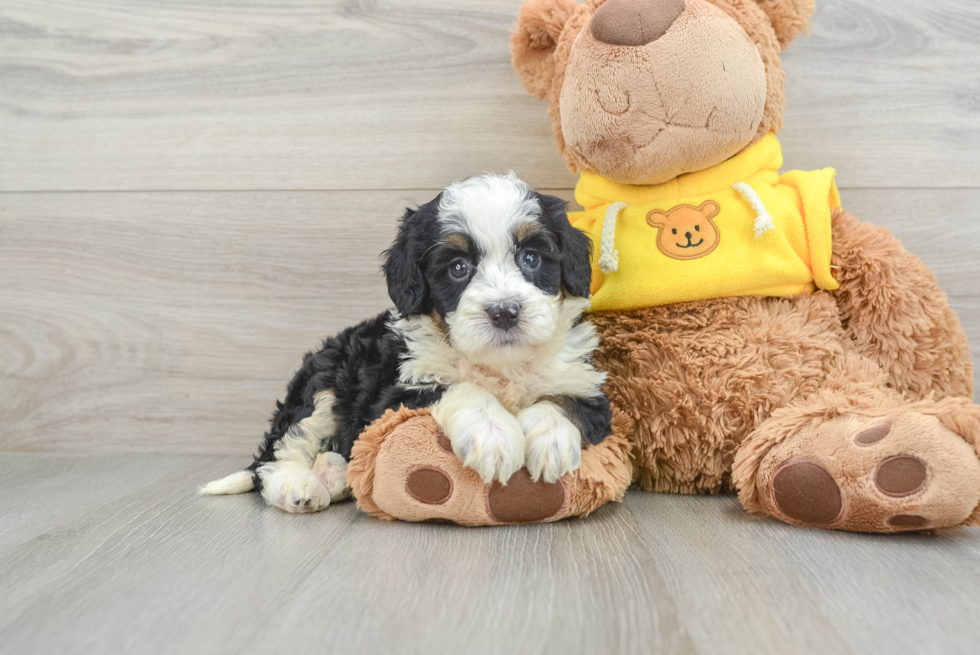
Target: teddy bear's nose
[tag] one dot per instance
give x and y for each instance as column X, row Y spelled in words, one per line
column 634, row 22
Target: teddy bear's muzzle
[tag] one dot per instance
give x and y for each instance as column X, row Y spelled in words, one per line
column 634, row 22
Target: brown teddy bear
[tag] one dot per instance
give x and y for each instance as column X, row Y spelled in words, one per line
column 759, row 337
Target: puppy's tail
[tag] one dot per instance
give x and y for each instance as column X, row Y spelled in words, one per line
column 236, row 483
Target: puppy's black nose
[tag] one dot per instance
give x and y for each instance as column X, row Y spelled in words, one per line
column 504, row 315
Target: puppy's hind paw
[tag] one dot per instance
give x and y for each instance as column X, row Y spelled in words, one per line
column 331, row 469
column 293, row 488
column 553, row 443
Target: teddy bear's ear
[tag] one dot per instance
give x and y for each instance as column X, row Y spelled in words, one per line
column 709, row 209
column 788, row 17
column 657, row 218
column 533, row 42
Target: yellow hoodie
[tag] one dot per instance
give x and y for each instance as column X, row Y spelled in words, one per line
column 736, row 229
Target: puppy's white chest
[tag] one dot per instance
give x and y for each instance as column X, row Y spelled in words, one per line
column 515, row 389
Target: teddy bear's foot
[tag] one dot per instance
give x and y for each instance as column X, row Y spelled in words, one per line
column 404, row 467
column 897, row 472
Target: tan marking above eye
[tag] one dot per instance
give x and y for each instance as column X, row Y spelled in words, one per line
column 457, row 241
column 525, row 230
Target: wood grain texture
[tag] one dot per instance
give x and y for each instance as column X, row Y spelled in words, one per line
column 148, row 566
column 385, row 94
column 171, row 322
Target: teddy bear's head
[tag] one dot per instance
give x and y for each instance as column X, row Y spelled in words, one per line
column 641, row 91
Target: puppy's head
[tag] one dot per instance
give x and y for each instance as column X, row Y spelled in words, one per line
column 491, row 260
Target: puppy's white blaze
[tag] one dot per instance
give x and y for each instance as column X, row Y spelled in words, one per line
column 488, row 208
column 553, row 443
column 496, row 282
column 559, row 366
column 236, row 483
column 485, row 436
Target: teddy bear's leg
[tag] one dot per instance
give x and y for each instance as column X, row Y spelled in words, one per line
column 895, row 313
column 864, row 459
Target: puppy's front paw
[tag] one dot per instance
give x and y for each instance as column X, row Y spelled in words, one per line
column 553, row 443
column 293, row 488
column 486, row 438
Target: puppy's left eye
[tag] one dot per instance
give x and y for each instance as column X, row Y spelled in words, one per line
column 530, row 259
column 459, row 269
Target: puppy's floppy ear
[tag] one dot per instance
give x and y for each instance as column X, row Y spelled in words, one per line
column 574, row 245
column 533, row 42
column 789, row 18
column 402, row 268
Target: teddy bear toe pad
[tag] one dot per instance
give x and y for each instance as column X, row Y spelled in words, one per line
column 806, row 492
column 890, row 474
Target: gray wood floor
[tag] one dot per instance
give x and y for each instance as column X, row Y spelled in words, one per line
column 193, row 192
column 118, row 554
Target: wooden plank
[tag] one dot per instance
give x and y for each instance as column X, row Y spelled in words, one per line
column 77, row 489
column 164, row 570
column 185, row 312
column 155, row 568
column 880, row 92
column 150, row 568
column 172, row 321
column 758, row 585
column 103, row 95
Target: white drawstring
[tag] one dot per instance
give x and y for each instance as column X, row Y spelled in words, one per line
column 763, row 221
column 609, row 256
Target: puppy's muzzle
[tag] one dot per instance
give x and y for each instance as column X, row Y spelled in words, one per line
column 505, row 315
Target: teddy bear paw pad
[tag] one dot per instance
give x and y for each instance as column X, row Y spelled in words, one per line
column 429, row 485
column 901, row 475
column 871, row 436
column 523, row 500
column 806, row 492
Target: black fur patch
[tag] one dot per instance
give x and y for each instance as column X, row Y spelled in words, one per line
column 547, row 274
column 360, row 367
column 575, row 247
column 592, row 416
column 445, row 290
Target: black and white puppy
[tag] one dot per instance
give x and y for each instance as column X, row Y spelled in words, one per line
column 489, row 281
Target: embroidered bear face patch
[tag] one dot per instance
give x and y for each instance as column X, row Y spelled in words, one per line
column 686, row 231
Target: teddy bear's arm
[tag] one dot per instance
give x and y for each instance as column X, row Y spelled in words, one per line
column 896, row 314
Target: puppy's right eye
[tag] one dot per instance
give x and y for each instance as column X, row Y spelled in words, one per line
column 459, row 269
